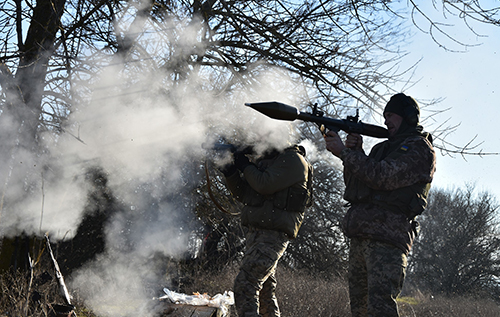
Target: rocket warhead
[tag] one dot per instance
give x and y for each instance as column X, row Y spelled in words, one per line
column 276, row 110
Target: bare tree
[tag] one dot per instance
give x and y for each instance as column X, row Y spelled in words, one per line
column 470, row 13
column 345, row 54
column 458, row 248
column 347, row 51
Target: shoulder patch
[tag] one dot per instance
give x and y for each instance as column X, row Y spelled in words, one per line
column 404, row 148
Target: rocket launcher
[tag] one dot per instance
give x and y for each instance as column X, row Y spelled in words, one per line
column 351, row 124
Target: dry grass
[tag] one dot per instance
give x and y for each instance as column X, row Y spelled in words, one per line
column 299, row 294
column 22, row 298
column 302, row 294
column 34, row 295
column 441, row 306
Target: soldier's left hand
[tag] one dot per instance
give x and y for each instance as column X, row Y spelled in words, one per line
column 334, row 143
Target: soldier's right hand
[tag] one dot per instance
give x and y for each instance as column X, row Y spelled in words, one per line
column 354, row 141
column 241, row 161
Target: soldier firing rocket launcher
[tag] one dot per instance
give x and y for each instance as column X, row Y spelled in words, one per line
column 351, row 124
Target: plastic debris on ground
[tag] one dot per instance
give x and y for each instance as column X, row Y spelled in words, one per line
column 220, row 301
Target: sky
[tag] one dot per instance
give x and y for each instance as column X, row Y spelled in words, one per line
column 468, row 82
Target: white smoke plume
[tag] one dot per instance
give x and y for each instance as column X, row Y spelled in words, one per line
column 140, row 134
column 147, row 141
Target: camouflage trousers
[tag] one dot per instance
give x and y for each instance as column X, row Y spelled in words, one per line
column 255, row 284
column 376, row 274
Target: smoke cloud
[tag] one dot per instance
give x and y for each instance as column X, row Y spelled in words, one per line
column 141, row 134
column 145, row 141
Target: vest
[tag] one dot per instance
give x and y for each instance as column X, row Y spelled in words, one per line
column 284, row 210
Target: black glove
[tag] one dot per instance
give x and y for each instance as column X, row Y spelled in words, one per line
column 241, row 161
column 228, row 169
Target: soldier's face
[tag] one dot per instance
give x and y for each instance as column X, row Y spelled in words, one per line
column 393, row 122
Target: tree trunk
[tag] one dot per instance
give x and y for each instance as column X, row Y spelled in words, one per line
column 35, row 55
column 20, row 117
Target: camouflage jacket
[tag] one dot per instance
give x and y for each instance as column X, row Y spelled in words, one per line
column 401, row 177
column 274, row 191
